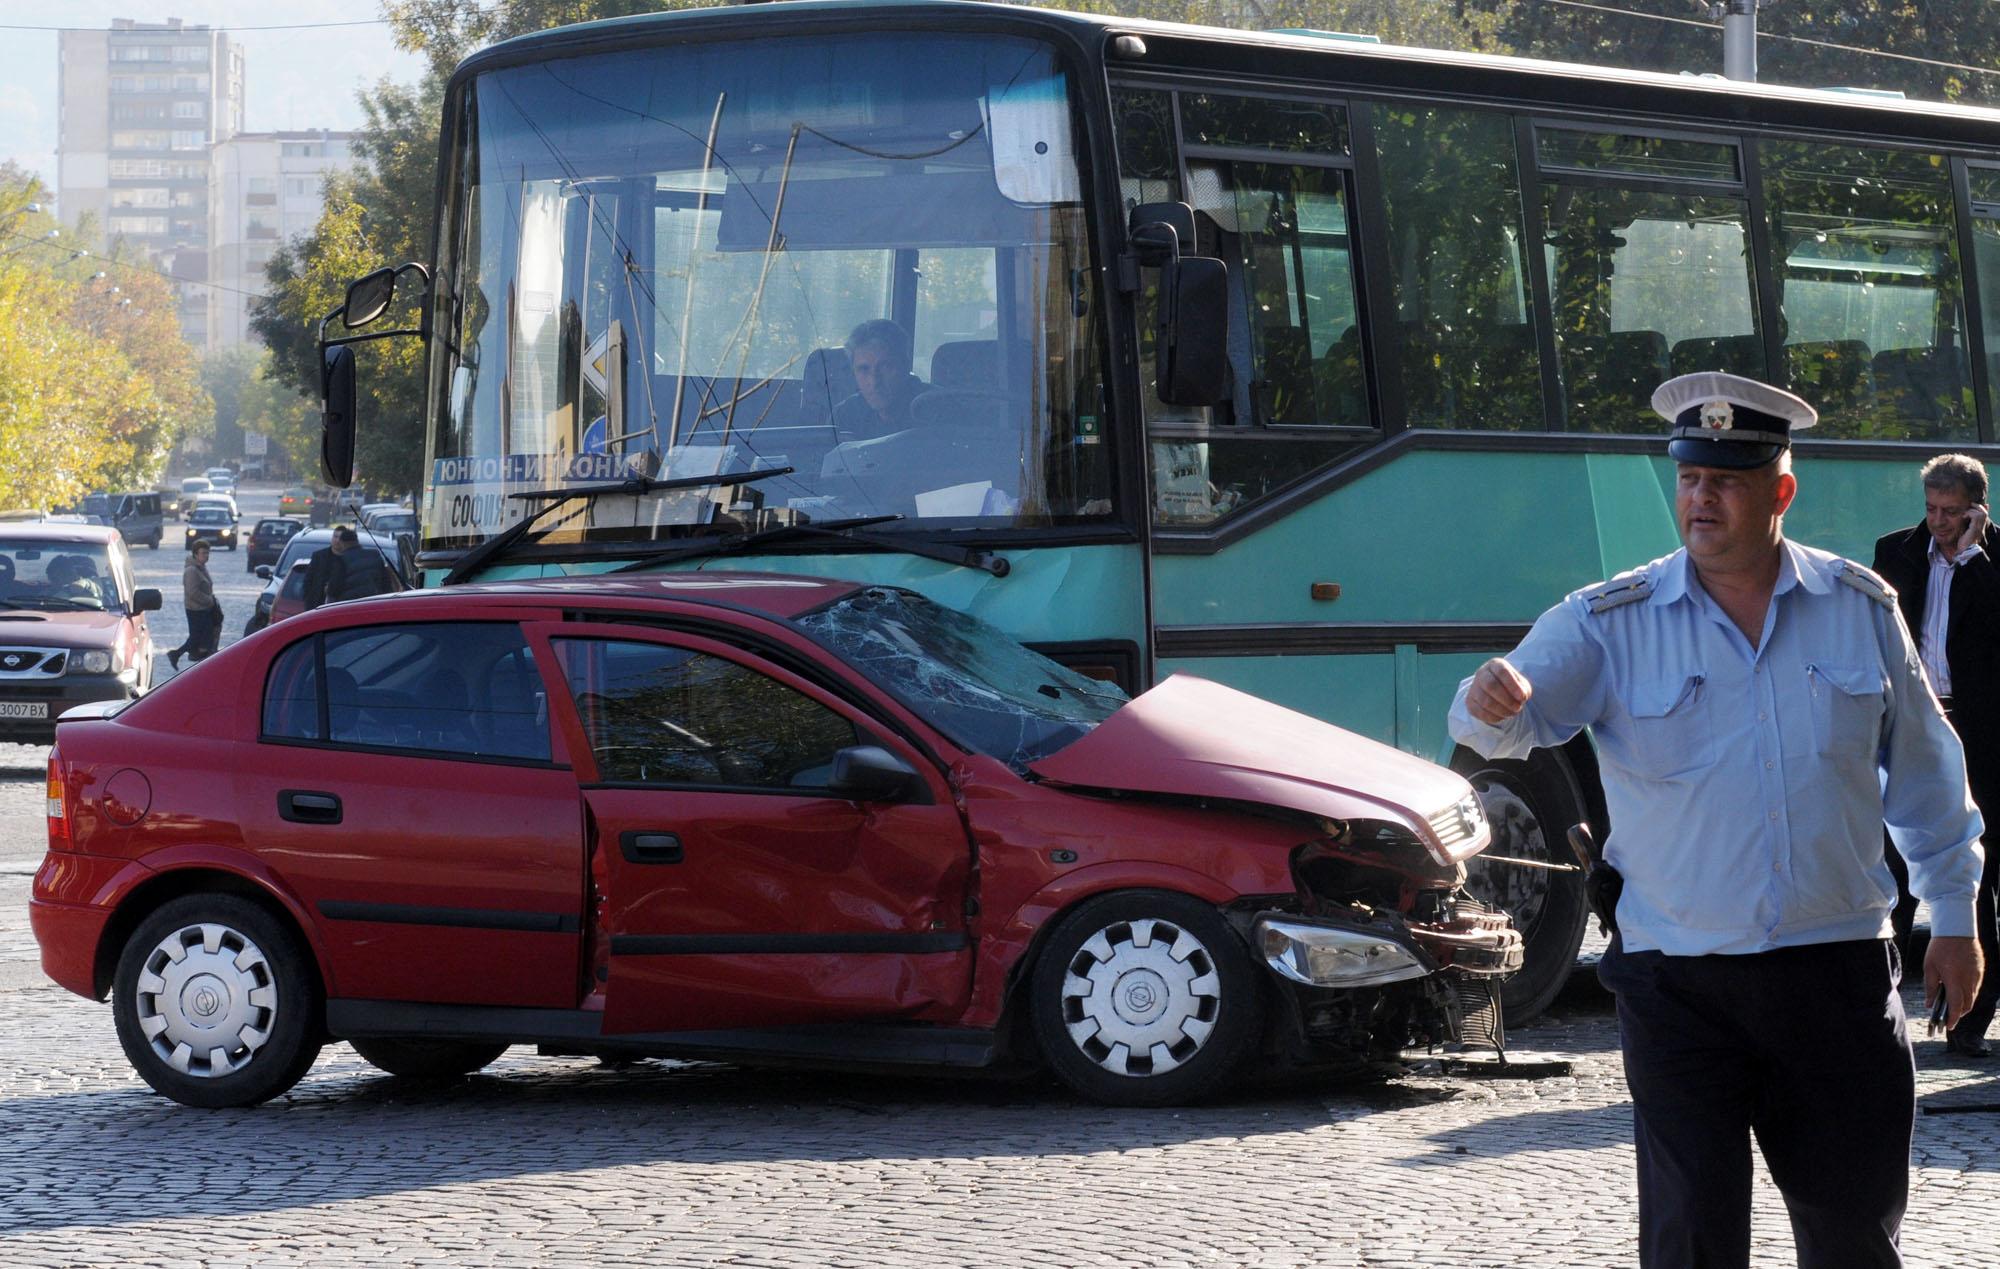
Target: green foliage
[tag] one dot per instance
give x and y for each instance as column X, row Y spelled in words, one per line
column 96, row 383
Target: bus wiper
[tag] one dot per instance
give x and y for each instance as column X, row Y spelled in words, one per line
column 505, row 540
column 840, row 530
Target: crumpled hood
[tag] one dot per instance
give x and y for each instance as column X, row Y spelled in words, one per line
column 77, row 629
column 1191, row 737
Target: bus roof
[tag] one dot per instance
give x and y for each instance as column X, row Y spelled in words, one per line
column 1223, row 50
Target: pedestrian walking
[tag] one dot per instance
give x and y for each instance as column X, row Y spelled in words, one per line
column 1759, row 712
column 1948, row 583
column 204, row 614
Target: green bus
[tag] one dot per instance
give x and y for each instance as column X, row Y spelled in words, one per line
column 1312, row 366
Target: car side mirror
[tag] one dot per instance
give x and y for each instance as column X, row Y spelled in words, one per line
column 870, row 773
column 146, row 599
column 263, row 571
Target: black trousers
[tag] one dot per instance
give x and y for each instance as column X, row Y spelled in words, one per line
column 1806, row 1049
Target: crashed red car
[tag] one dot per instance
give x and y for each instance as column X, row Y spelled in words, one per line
column 750, row 817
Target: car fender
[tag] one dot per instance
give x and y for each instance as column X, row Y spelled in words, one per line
column 1005, row 943
column 160, row 868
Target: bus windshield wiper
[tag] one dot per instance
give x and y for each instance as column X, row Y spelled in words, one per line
column 514, row 534
column 840, row 530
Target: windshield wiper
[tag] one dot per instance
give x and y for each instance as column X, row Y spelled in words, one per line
column 505, row 540
column 840, row 530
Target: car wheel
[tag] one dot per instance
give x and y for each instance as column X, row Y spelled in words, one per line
column 257, row 622
column 427, row 1059
column 1145, row 998
column 1530, row 805
column 216, row 1003
column 154, row 542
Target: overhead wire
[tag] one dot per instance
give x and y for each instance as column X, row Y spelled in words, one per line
column 79, row 253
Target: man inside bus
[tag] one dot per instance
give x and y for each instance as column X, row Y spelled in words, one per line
column 878, row 352
column 1946, row 571
column 1759, row 712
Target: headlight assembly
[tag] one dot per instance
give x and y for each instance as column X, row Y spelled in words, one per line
column 90, row 661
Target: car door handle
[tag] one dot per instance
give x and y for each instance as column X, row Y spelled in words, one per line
column 649, row 846
column 302, row 806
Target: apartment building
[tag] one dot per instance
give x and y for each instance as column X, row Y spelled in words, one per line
column 264, row 189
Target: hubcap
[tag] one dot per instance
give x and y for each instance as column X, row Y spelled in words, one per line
column 1517, row 834
column 1141, row 997
column 207, row 1000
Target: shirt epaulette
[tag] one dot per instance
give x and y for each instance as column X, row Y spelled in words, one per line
column 1616, row 593
column 1868, row 583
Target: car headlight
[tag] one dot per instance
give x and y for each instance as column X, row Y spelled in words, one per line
column 91, row 661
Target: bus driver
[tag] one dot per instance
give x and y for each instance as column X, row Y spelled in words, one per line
column 879, row 354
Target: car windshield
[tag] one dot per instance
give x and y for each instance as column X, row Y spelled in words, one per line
column 962, row 676
column 394, row 522
column 210, row 515
column 57, row 575
column 195, row 484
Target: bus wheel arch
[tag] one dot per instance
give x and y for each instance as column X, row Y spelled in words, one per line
column 1531, row 804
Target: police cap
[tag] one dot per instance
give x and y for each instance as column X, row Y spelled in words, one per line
column 1725, row 420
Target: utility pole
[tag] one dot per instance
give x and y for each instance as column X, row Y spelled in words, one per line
column 1739, row 38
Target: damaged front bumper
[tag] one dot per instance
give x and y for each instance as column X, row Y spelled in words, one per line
column 1371, row 984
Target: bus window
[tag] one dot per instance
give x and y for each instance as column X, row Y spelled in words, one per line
column 1864, row 247
column 1463, row 337
column 1985, row 182
column 1645, row 286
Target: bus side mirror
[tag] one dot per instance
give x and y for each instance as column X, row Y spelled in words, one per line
column 368, row 297
column 1193, row 344
column 337, row 414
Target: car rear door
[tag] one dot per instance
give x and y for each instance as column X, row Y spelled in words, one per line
column 405, row 787
column 734, row 888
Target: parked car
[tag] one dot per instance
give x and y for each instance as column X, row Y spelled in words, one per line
column 267, row 540
column 365, row 571
column 296, row 501
column 191, row 487
column 300, row 548
column 137, row 516
column 212, row 524
column 820, row 821
column 217, row 499
column 72, row 625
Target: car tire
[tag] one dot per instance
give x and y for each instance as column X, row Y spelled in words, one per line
column 1531, row 805
column 256, row 622
column 1152, row 968
column 216, row 967
column 427, row 1059
column 154, row 542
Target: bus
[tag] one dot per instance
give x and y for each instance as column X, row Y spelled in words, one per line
column 1312, row 366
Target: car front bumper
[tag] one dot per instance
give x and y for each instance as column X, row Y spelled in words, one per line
column 43, row 703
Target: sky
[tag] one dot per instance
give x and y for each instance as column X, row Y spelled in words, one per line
column 293, row 79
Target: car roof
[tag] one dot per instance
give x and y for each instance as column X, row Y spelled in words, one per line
column 264, row 520
column 44, row 531
column 779, row 595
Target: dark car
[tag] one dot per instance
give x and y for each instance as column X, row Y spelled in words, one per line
column 768, row 818
column 300, row 548
column 363, row 573
column 72, row 625
column 213, row 524
column 267, row 540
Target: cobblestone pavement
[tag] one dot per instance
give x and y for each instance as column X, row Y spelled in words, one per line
column 542, row 1160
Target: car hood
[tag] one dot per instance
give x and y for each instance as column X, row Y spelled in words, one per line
column 64, row 629
column 1191, row 737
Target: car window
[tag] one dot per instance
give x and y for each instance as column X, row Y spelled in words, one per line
column 468, row 689
column 660, row 715
column 58, row 576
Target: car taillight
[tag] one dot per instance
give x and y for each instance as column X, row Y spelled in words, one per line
column 58, row 819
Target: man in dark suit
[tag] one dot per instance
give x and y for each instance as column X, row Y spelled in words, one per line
column 1946, row 572
column 326, row 572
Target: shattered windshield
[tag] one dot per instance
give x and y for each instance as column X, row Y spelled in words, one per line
column 964, row 677
column 861, row 257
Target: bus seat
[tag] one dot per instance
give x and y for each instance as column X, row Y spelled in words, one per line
column 1611, row 377
column 1832, row 375
column 1736, row 354
column 1285, row 376
column 973, row 365
column 1920, row 383
column 826, row 382
column 1339, row 383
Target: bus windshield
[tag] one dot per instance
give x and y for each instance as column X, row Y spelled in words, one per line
column 864, row 258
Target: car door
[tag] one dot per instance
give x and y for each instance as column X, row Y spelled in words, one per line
column 405, row 788
column 735, row 889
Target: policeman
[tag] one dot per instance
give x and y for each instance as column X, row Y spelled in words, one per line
column 1759, row 712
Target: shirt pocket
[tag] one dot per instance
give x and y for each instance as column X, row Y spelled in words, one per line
column 1847, row 704
column 1671, row 730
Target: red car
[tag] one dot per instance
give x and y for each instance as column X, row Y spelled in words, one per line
column 749, row 817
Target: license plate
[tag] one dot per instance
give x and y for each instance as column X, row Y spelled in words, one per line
column 24, row 709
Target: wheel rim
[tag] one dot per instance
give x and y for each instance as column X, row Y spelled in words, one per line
column 1141, row 997
column 207, row 1000
column 1522, row 893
